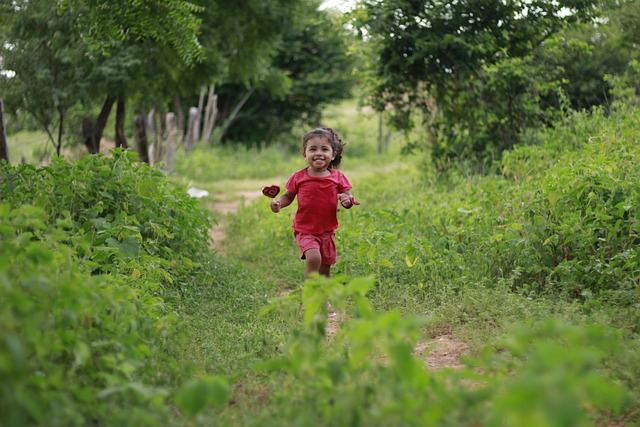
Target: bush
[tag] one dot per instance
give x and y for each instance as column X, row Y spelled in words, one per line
column 119, row 216
column 75, row 349
column 92, row 253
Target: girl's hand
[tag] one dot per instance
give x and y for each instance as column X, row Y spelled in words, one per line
column 347, row 200
column 275, row 206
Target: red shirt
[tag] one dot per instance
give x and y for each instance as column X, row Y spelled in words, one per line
column 317, row 200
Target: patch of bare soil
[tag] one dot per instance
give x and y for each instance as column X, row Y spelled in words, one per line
column 228, row 205
column 441, row 352
column 333, row 325
column 437, row 353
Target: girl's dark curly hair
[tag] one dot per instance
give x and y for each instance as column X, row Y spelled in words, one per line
column 332, row 138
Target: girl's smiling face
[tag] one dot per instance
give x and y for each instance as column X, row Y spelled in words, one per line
column 319, row 154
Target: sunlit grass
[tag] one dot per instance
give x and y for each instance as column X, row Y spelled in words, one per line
column 29, row 147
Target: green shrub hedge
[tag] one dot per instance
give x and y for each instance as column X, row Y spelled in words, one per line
column 91, row 252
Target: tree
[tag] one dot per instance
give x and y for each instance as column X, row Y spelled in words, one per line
column 590, row 52
column 142, row 55
column 240, row 40
column 314, row 58
column 470, row 67
column 106, row 23
column 4, row 149
column 126, row 30
column 42, row 54
column 71, row 52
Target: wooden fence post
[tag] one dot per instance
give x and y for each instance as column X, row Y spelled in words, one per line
column 200, row 111
column 210, row 112
column 140, row 135
column 156, row 153
column 191, row 137
column 172, row 131
column 4, row 147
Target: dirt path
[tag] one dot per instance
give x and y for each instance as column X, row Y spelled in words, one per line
column 440, row 352
column 228, row 205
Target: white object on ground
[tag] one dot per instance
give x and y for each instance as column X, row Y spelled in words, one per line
column 197, row 193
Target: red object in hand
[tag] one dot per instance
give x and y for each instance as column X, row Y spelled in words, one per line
column 353, row 201
column 271, row 191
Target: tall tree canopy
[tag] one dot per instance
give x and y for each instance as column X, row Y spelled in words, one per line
column 471, row 67
column 93, row 54
column 314, row 61
column 587, row 54
column 104, row 23
column 77, row 52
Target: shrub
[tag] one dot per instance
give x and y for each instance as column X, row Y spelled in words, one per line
column 92, row 254
column 75, row 349
column 120, row 216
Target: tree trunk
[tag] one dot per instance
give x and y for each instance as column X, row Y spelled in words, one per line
column 4, row 148
column 60, row 129
column 380, row 132
column 92, row 132
column 234, row 114
column 140, row 135
column 121, row 140
column 179, row 119
column 199, row 116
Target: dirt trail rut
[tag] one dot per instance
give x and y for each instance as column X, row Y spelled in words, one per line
column 229, row 205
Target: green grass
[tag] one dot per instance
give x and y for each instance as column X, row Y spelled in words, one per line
column 32, row 147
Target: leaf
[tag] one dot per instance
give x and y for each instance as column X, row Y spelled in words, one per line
column 360, row 285
column 197, row 394
column 410, row 263
column 386, row 263
column 312, row 299
column 371, row 254
column 130, row 246
column 364, row 306
column 412, row 255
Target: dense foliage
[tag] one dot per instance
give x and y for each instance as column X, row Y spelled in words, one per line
column 314, row 58
column 92, row 254
column 104, row 24
column 115, row 312
column 480, row 73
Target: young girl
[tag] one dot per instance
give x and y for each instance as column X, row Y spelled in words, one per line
column 319, row 187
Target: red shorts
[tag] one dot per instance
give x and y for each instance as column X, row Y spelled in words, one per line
column 324, row 242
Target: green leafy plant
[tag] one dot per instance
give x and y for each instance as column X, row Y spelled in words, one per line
column 74, row 348
column 94, row 253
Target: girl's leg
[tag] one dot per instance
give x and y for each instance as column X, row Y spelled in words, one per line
column 325, row 270
column 313, row 262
